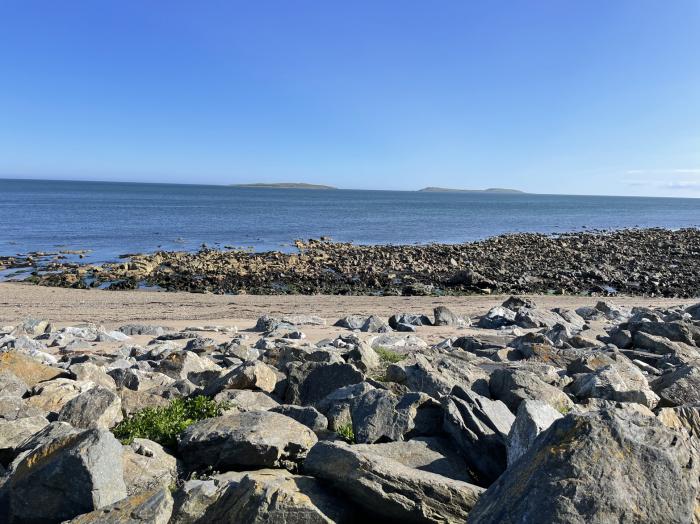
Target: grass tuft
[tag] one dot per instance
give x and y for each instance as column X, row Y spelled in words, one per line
column 345, row 431
column 388, row 356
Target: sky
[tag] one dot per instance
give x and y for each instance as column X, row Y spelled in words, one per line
column 546, row 96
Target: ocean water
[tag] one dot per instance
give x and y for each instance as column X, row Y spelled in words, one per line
column 111, row 219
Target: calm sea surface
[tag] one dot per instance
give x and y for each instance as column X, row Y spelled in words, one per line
column 115, row 218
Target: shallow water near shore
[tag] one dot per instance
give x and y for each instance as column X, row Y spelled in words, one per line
column 111, row 219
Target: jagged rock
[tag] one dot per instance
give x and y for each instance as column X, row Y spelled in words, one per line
column 363, row 357
column 14, row 432
column 193, row 499
column 96, row 407
column 269, row 323
column 686, row 417
column 14, row 408
column 352, row 322
column 658, row 345
column 147, row 466
column 143, row 329
column 615, row 379
column 50, row 432
column 479, row 427
column 431, row 454
column 408, row 319
column 445, row 317
column 622, row 338
column 247, row 400
column 245, row 440
column 27, row 369
column 66, row 477
column 560, row 335
column 32, row 327
column 388, row 488
column 336, row 405
column 272, row 495
column 438, row 377
column 307, row 415
column 694, row 311
column 497, row 317
column 680, row 386
column 249, row 375
column 512, row 386
column 139, row 380
column 11, row 385
column 374, row 324
column 52, row 395
column 312, row 381
column 187, row 365
column 398, row 341
column 533, row 417
column 89, row 372
column 528, row 317
column 147, row 507
column 200, row 344
column 612, row 311
column 676, row 331
column 609, row 466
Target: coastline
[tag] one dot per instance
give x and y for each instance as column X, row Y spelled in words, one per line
column 639, row 262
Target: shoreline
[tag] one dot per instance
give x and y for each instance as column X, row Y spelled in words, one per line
column 639, row 262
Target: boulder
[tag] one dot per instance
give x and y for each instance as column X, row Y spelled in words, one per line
column 246, row 400
column 676, row 331
column 249, row 375
column 27, row 369
column 14, row 432
column 51, row 396
column 497, row 317
column 686, row 417
column 445, row 317
column 374, row 324
column 479, row 427
column 678, row 387
column 143, row 329
column 139, row 380
column 512, row 386
column 254, row 439
column 187, row 365
column 147, row 466
column 439, row 376
column 14, row 408
column 89, row 372
column 192, row 500
column 389, row 489
column 653, row 343
column 607, row 466
column 353, row 322
column 96, row 407
column 533, row 417
column 66, row 477
column 11, row 385
column 148, row 507
column 336, row 405
column 408, row 319
column 306, row 415
column 310, row 382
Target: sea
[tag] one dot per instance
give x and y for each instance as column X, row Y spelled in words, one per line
column 110, row 219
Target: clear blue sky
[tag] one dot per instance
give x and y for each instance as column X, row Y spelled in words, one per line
column 555, row 96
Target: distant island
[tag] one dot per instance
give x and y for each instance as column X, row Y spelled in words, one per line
column 286, row 185
column 489, row 190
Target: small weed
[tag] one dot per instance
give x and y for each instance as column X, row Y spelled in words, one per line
column 564, row 409
column 164, row 424
column 388, row 356
column 345, row 431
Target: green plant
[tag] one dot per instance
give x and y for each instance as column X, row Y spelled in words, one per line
column 163, row 424
column 563, row 409
column 388, row 356
column 345, row 431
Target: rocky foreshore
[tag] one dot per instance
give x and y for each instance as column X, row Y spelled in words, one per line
column 528, row 415
column 648, row 262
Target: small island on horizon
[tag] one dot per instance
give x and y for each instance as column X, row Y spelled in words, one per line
column 285, row 185
column 489, row 190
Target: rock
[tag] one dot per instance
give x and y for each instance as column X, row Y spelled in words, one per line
column 148, row 507
column 388, row 488
column 246, row 400
column 353, row 322
column 143, row 329
column 14, row 408
column 249, row 375
column 11, row 385
column 312, row 381
column 374, row 324
column 187, row 365
column 533, row 417
column 609, row 466
column 479, row 427
column 52, row 395
column 96, row 407
column 497, row 317
column 622, row 338
column 268, row 323
column 527, row 317
column 431, row 454
column 14, row 432
column 398, row 341
column 272, row 495
column 612, row 311
column 33, row 327
column 193, row 499
column 363, row 357
column 374, row 417
column 28, row 370
column 88, row 372
column 408, row 319
column 658, row 345
column 437, row 378
column 680, row 386
column 200, row 344
column 50, row 432
column 618, row 380
column 686, row 417
column 336, row 405
column 306, row 415
column 147, row 466
column 253, row 439
column 69, row 476
column 694, row 311
column 559, row 335
column 676, row 331
column 445, row 317
column 512, row 386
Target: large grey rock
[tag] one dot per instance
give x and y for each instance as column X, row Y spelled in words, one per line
column 533, row 417
column 445, row 317
column 13, row 408
column 52, row 395
column 680, row 386
column 479, row 427
column 408, row 319
column 686, row 417
column 147, row 466
column 96, row 407
column 187, row 365
column 512, row 386
column 139, row 380
column 14, row 432
column 432, row 454
column 192, row 500
column 249, row 375
column 497, row 317
column 676, row 331
column 653, row 343
column 246, row 400
column 310, row 382
column 307, row 415
column 532, row 317
column 336, row 405
column 374, row 324
column 66, row 477
column 147, row 507
column 89, row 372
column 272, row 495
column 364, row 357
column 53, row 431
column 354, row 322
column 143, row 329
column 11, row 384
column 439, row 376
column 390, row 489
column 253, row 439
column 27, row 369
column 607, row 466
